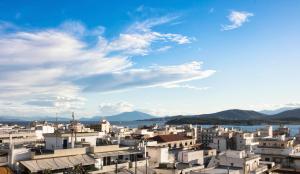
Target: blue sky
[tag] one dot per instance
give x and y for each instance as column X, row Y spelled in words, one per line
column 159, row 57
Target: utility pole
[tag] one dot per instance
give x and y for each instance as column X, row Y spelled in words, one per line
column 145, row 154
column 146, row 165
column 135, row 158
column 116, row 161
column 72, row 130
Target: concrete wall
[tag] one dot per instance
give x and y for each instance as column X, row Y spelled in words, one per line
column 193, row 157
column 40, row 130
column 61, row 152
column 112, row 168
column 108, row 148
column 158, row 155
column 53, row 142
column 176, row 171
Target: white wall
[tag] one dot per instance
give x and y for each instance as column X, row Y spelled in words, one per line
column 57, row 142
column 158, row 155
column 193, row 157
column 40, row 130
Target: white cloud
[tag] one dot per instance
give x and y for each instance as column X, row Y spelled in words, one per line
column 139, row 37
column 39, row 69
column 185, row 86
column 78, row 28
column 237, row 19
column 155, row 76
column 108, row 109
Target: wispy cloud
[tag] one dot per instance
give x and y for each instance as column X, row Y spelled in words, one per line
column 186, row 87
column 155, row 76
column 237, row 19
column 164, row 48
column 108, row 109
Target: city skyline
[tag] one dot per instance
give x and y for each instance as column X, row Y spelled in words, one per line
column 162, row 58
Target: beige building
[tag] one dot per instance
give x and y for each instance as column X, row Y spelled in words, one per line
column 173, row 141
column 278, row 150
column 103, row 126
column 237, row 161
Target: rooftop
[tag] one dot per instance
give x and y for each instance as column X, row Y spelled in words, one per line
column 169, row 138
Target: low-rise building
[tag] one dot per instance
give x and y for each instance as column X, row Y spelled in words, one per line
column 102, row 126
column 205, row 136
column 277, row 150
column 237, row 162
column 19, row 136
column 191, row 156
column 173, row 141
column 245, row 141
column 66, row 140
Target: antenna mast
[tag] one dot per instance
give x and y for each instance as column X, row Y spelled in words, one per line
column 56, row 129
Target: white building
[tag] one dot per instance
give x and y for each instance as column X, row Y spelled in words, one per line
column 245, row 141
column 219, row 143
column 43, row 129
column 191, row 157
column 266, row 132
column 64, row 140
column 158, row 155
column 248, row 163
column 144, row 132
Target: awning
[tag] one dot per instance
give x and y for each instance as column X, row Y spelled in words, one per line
column 57, row 163
column 116, row 153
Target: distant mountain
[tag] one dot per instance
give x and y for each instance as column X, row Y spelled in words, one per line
column 234, row 114
column 240, row 117
column 277, row 111
column 288, row 115
column 9, row 119
column 125, row 116
column 32, row 118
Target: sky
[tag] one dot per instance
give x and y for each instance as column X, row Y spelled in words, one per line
column 160, row 57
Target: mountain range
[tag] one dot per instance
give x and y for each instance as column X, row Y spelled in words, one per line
column 125, row 116
column 227, row 116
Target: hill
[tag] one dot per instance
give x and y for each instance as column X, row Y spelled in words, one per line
column 235, row 114
column 240, row 117
column 288, row 115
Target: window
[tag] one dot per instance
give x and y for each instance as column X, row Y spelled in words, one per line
column 82, row 139
column 191, row 143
